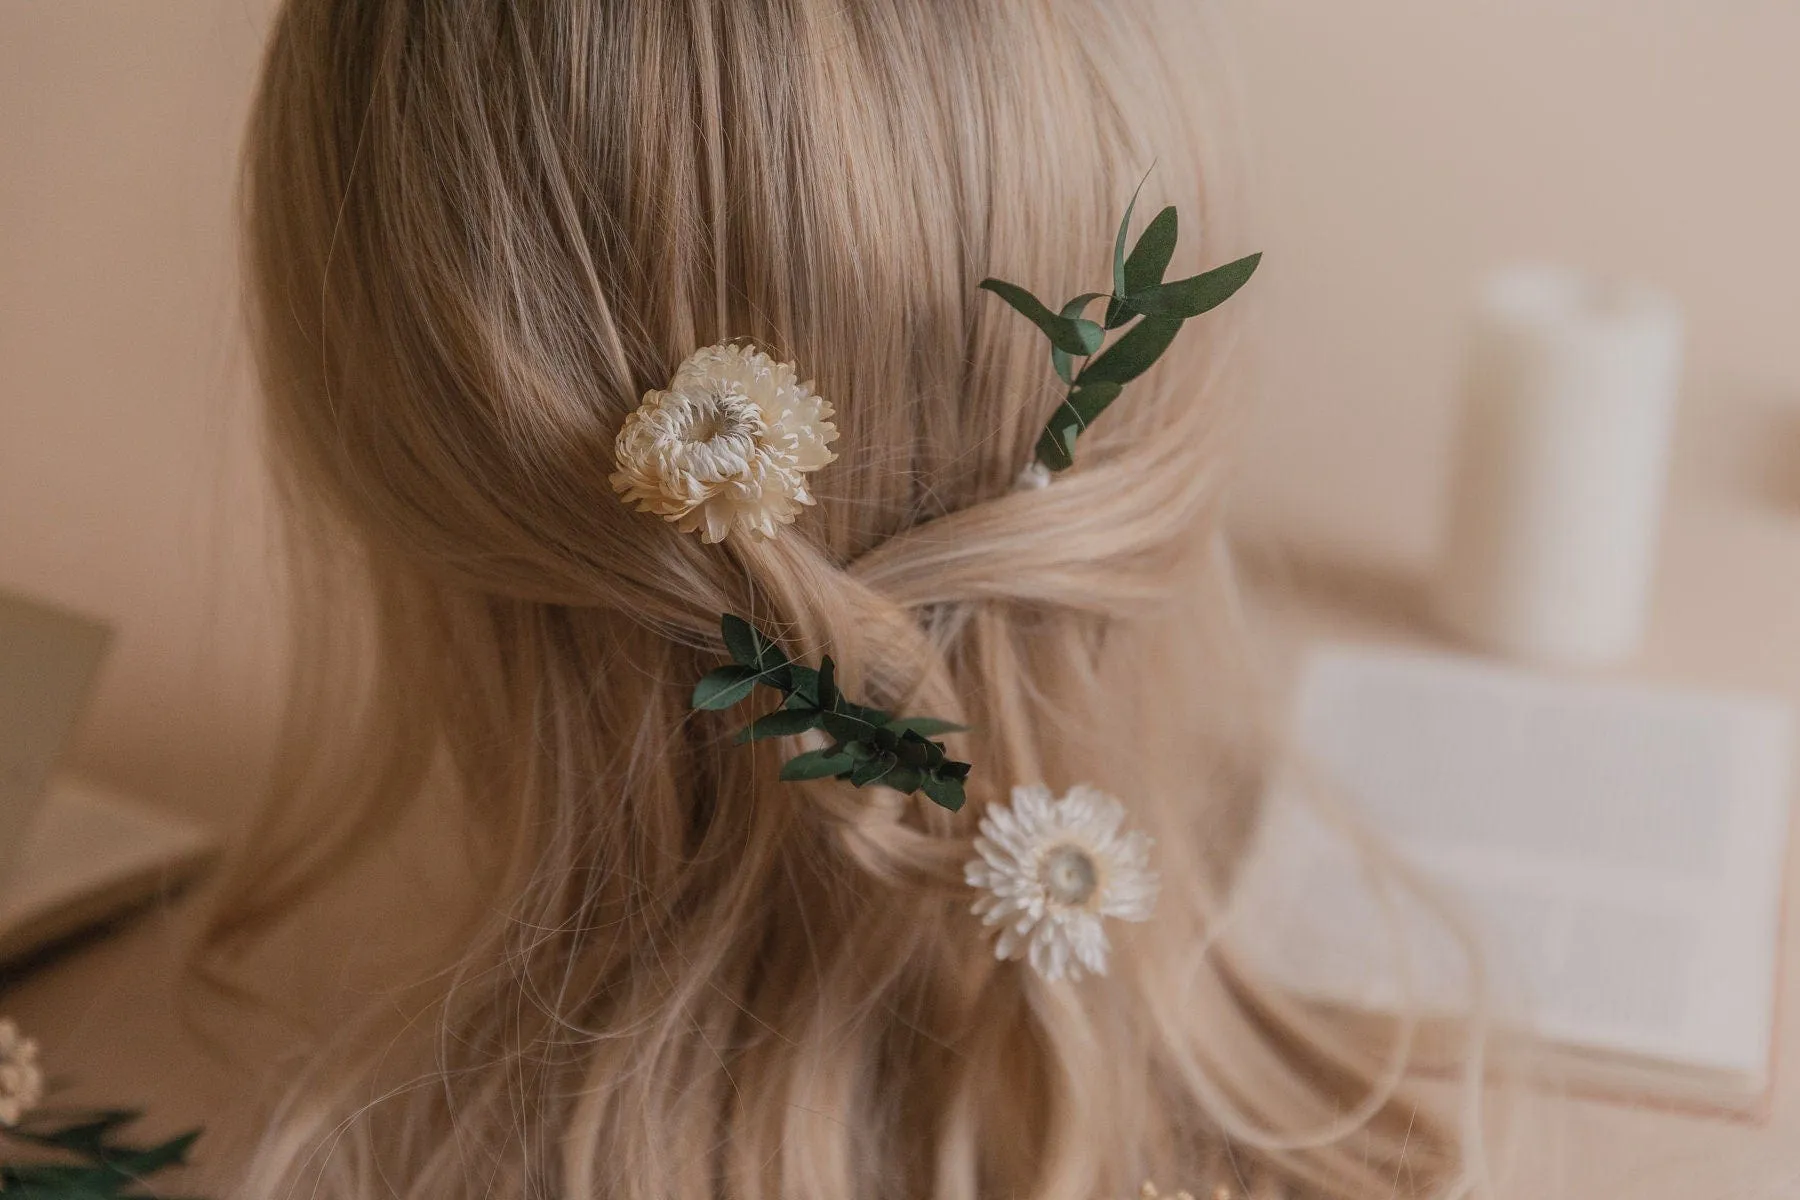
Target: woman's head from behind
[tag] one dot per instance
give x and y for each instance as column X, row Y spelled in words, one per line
column 479, row 232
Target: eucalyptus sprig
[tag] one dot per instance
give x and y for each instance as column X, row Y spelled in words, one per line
column 869, row 745
column 1138, row 295
column 85, row 1159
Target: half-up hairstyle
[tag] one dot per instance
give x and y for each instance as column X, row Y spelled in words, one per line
column 478, row 232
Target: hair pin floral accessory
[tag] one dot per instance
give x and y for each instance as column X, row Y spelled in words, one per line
column 869, row 745
column 727, row 446
column 1138, row 295
column 1051, row 869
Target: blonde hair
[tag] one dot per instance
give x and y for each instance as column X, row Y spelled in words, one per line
column 478, row 232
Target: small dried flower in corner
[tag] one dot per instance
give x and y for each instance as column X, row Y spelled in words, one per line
column 21, row 1080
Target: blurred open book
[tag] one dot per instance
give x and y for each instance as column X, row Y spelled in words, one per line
column 72, row 854
column 1617, row 851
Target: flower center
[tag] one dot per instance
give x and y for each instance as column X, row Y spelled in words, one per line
column 722, row 416
column 1069, row 875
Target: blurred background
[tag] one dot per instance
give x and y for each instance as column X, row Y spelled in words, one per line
column 1397, row 151
column 1401, row 147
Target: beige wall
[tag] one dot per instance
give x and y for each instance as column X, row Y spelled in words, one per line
column 128, row 482
column 1406, row 145
column 1402, row 145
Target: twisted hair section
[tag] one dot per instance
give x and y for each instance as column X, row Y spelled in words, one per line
column 476, row 233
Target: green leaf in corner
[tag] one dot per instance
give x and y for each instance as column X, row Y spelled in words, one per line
column 1134, row 353
column 815, row 764
column 826, row 684
column 1073, row 335
column 138, row 1163
column 722, row 687
column 87, row 1135
column 1198, row 293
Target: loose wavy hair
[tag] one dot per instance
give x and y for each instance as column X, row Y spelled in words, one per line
column 477, row 232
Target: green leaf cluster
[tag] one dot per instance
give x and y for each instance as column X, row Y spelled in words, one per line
column 1153, row 308
column 84, row 1159
column 869, row 746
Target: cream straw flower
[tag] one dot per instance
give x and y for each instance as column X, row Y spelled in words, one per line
column 1049, row 871
column 727, row 447
column 21, row 1082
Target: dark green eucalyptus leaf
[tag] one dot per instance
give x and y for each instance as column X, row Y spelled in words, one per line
column 722, row 687
column 749, row 646
column 740, row 640
column 863, row 712
column 944, row 790
column 913, row 753
column 827, row 684
column 815, row 764
column 1124, row 232
column 783, row 722
column 109, row 1169
column 1073, row 335
column 846, row 727
column 903, row 778
column 1118, row 312
column 1061, row 360
column 1198, row 293
column 1056, row 445
column 954, row 770
column 85, row 1135
column 60, row 1180
column 872, row 769
column 804, row 686
column 1089, row 400
column 1134, row 353
column 1090, row 334
column 929, row 752
column 138, row 1163
column 1150, row 257
column 926, row 726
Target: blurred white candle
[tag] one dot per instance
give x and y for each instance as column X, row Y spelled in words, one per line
column 1550, row 547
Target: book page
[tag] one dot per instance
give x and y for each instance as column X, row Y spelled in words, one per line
column 1617, row 851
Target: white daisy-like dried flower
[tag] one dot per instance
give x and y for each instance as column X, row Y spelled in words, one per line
column 1051, row 869
column 21, row 1081
column 1033, row 477
column 727, row 446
